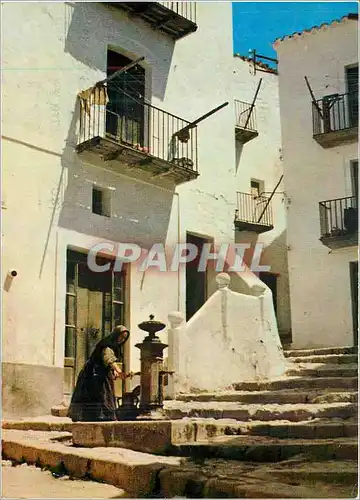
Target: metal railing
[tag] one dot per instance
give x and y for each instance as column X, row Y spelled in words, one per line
column 338, row 217
column 245, row 115
column 251, row 209
column 184, row 9
column 132, row 122
column 335, row 112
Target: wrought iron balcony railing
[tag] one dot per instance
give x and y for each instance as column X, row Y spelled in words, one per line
column 245, row 124
column 336, row 116
column 253, row 213
column 245, row 115
column 146, row 132
column 338, row 217
column 183, row 9
column 176, row 19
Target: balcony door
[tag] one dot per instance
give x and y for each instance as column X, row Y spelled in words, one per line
column 125, row 110
column 94, row 305
column 352, row 80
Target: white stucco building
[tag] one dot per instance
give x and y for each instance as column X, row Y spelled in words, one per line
column 259, row 168
column 320, row 148
column 80, row 172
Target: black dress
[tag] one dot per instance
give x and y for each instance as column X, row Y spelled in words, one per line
column 93, row 399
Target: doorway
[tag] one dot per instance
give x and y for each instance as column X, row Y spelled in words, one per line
column 125, row 110
column 196, row 281
column 270, row 280
column 354, row 284
column 95, row 303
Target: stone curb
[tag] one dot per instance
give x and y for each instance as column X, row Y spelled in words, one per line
column 134, row 472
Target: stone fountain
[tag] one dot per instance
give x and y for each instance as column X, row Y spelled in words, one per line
column 151, row 375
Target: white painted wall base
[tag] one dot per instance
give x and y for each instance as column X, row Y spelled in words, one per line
column 232, row 338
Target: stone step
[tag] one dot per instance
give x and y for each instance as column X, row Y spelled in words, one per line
column 292, row 412
column 324, row 370
column 300, row 383
column 277, row 397
column 318, row 430
column 132, row 471
column 339, row 359
column 268, row 449
column 205, row 429
column 321, row 351
column 214, row 478
column 157, row 436
column 143, row 475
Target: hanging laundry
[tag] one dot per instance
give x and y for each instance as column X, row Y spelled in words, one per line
column 96, row 95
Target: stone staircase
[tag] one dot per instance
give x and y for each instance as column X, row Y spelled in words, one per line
column 316, row 400
column 294, row 437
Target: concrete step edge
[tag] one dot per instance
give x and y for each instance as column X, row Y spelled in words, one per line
column 136, row 472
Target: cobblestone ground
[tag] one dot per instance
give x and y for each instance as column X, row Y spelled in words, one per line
column 26, row 481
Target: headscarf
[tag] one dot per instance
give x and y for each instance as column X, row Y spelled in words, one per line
column 110, row 341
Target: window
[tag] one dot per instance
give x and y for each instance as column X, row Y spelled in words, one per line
column 352, row 80
column 101, row 201
column 257, row 188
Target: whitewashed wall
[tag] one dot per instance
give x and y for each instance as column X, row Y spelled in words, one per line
column 219, row 347
column 319, row 278
column 57, row 50
column 261, row 159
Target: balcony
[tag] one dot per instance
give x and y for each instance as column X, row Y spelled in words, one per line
column 335, row 119
column 175, row 19
column 245, row 124
column 339, row 222
column 128, row 135
column 253, row 213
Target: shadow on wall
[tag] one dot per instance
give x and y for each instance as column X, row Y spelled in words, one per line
column 238, row 151
column 140, row 212
column 90, row 28
column 275, row 256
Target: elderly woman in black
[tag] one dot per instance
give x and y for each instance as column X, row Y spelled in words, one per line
column 93, row 399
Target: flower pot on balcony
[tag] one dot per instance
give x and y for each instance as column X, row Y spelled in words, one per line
column 351, row 219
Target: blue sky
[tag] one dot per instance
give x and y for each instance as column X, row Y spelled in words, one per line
column 257, row 24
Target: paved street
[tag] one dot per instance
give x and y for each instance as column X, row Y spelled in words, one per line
column 29, row 482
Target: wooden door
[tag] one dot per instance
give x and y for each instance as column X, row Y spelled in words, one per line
column 94, row 305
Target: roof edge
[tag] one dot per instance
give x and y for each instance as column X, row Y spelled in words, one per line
column 258, row 63
column 352, row 16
